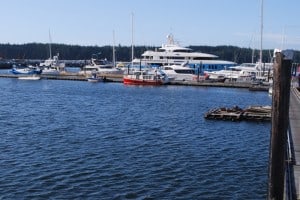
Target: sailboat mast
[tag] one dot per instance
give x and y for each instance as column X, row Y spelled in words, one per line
column 50, row 41
column 261, row 32
column 114, row 53
column 132, row 52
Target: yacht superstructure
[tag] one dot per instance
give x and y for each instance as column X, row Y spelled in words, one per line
column 172, row 53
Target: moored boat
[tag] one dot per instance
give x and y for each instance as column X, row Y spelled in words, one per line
column 26, row 70
column 145, row 78
column 172, row 53
column 94, row 78
column 30, row 77
column 182, row 73
column 52, row 66
column 100, row 66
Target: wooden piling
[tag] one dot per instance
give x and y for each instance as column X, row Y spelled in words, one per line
column 280, row 113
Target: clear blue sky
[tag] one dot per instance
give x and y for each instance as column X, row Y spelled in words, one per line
column 192, row 22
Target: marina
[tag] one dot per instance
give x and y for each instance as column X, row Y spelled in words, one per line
column 196, row 101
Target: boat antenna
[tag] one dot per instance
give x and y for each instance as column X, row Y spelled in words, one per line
column 50, row 41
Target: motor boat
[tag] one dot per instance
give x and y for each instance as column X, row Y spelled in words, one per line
column 100, row 66
column 26, row 70
column 145, row 77
column 181, row 73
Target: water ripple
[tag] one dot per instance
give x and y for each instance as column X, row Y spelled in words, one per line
column 74, row 140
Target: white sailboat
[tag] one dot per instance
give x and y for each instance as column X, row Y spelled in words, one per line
column 263, row 68
column 52, row 66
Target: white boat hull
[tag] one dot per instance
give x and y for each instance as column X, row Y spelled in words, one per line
column 95, row 80
column 33, row 78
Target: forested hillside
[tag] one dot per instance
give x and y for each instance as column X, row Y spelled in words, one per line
column 123, row 53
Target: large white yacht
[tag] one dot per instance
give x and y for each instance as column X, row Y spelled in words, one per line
column 172, row 53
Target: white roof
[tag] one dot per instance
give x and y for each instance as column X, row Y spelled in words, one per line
column 179, row 54
column 173, row 49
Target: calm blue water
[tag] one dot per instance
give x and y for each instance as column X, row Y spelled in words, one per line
column 79, row 140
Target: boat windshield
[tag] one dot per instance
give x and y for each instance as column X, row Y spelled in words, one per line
column 184, row 71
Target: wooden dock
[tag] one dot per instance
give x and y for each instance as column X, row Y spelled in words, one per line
column 70, row 77
column 118, row 78
column 252, row 113
column 293, row 151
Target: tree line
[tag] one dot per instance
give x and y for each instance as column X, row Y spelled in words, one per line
column 123, row 53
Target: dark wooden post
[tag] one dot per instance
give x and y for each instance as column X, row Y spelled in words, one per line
column 280, row 113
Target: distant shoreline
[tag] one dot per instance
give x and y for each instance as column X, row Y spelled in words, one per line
column 8, row 63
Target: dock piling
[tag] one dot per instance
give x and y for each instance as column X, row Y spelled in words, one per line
column 280, row 113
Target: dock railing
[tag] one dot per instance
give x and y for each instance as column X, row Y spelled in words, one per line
column 292, row 172
column 290, row 189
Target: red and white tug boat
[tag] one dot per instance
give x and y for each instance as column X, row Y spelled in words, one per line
column 145, row 78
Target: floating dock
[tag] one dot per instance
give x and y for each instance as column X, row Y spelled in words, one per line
column 252, row 113
column 69, row 76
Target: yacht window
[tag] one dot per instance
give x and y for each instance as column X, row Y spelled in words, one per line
column 175, row 57
column 202, row 58
column 180, row 50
